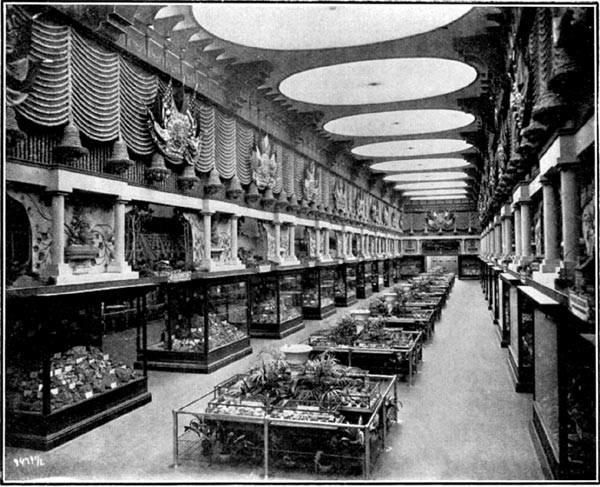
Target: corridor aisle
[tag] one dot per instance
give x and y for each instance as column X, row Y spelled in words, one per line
column 462, row 420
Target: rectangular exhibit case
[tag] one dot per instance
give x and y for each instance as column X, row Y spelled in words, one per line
column 495, row 294
column 395, row 270
column 520, row 350
column 205, row 326
column 508, row 306
column 377, row 275
column 387, row 272
column 564, row 396
column 64, row 377
column 317, row 292
column 276, row 303
column 411, row 265
column 345, row 284
column 364, row 286
column 469, row 267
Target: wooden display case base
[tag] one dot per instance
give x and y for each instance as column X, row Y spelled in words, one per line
column 195, row 362
column 549, row 463
column 285, row 329
column 504, row 341
column 318, row 313
column 521, row 385
column 39, row 432
column 469, row 278
column 342, row 302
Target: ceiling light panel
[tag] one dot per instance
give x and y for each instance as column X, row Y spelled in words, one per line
column 432, row 176
column 435, row 192
column 320, row 26
column 399, row 122
column 378, row 81
column 432, row 185
column 412, row 165
column 408, row 148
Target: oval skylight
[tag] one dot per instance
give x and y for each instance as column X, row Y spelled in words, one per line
column 378, row 81
column 432, row 185
column 399, row 122
column 319, row 26
column 411, row 165
column 442, row 197
column 407, row 148
column 435, row 192
column 431, row 176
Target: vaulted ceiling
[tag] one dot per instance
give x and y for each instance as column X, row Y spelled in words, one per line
column 404, row 89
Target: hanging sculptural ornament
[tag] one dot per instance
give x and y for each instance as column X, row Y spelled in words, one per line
column 176, row 134
column 310, row 182
column 265, row 167
column 339, row 196
column 440, row 221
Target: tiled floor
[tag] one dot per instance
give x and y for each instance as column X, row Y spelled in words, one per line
column 461, row 420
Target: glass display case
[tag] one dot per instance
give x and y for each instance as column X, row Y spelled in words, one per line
column 205, row 326
column 317, row 292
column 495, row 297
column 508, row 296
column 521, row 351
column 364, row 287
column 395, row 270
column 469, row 267
column 276, row 304
column 387, row 272
column 564, row 399
column 64, row 377
column 377, row 275
column 345, row 284
column 411, row 265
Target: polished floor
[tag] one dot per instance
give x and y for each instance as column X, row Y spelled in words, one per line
column 460, row 421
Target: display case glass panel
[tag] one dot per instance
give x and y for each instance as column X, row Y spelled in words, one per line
column 205, row 326
column 327, row 286
column 345, row 284
column 546, row 377
column 65, row 371
column 412, row 265
column 469, row 267
column 313, row 306
column 375, row 277
column 522, row 362
column 290, row 297
column 578, row 388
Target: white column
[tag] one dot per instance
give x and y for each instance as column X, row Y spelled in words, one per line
column 293, row 242
column 207, row 240
column 118, row 264
column 277, row 232
column 525, row 232
column 498, row 237
column 571, row 217
column 551, row 244
column 509, row 236
column 326, row 249
column 518, row 238
column 58, row 235
column 233, row 225
column 318, row 243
